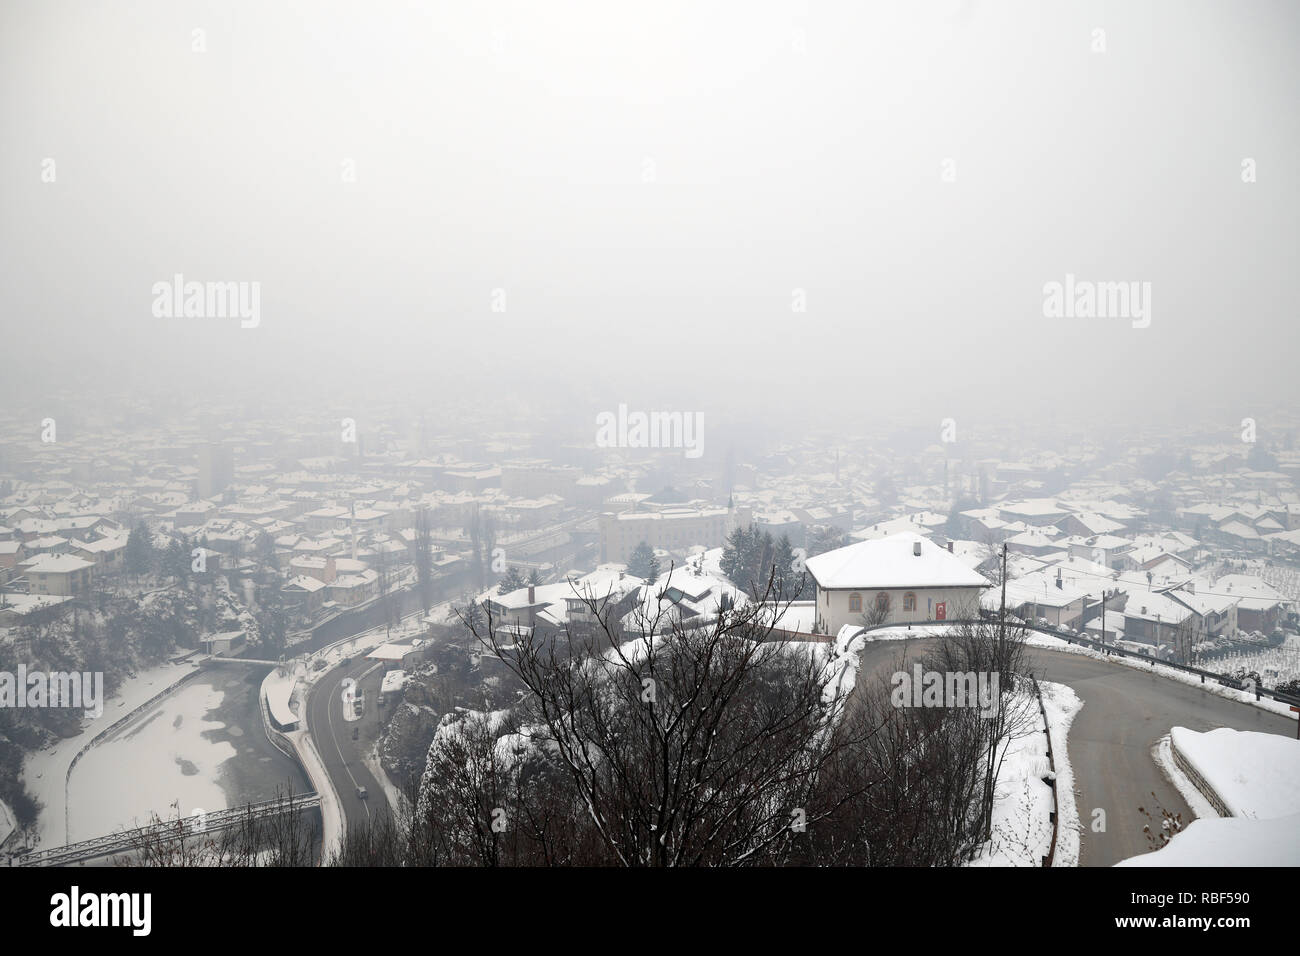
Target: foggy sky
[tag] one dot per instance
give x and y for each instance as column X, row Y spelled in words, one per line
column 789, row 146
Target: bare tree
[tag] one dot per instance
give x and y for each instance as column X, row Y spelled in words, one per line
column 695, row 743
column 284, row 836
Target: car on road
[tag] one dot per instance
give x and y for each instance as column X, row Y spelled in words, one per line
column 356, row 732
column 362, row 793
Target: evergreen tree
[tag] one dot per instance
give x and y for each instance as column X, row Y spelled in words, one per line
column 512, row 581
column 272, row 621
column 139, row 555
column 826, row 538
column 643, row 563
column 792, row 582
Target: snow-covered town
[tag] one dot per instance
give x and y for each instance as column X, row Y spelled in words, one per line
column 248, row 594
column 853, row 442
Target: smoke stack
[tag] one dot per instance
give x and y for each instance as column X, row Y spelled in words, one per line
column 916, row 548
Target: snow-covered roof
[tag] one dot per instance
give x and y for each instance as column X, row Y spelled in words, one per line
column 56, row 564
column 892, row 563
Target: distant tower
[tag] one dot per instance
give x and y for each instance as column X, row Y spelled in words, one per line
column 216, row 468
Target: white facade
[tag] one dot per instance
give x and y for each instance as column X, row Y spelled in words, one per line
column 836, row 608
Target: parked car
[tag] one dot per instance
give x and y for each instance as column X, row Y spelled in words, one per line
column 356, row 732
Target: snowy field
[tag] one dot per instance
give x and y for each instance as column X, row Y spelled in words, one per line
column 1275, row 664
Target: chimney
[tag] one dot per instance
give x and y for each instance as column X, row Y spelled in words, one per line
column 950, row 547
column 532, row 595
column 916, row 548
column 1059, row 584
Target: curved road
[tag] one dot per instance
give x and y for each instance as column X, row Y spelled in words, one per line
column 332, row 734
column 1125, row 711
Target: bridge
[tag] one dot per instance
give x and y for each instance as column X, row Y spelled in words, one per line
column 206, row 661
column 126, row 840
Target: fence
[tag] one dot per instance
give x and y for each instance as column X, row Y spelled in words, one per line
column 1055, row 813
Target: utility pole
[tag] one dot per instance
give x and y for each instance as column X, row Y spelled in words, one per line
column 1002, row 614
column 1103, row 619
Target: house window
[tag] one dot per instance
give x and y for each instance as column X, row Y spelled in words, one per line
column 909, row 601
column 882, row 602
column 855, row 603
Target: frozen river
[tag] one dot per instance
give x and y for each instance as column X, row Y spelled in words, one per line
column 202, row 748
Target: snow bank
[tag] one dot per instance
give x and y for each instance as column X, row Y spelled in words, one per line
column 1022, row 800
column 1229, row 841
column 1256, row 775
column 1062, row 704
column 278, row 688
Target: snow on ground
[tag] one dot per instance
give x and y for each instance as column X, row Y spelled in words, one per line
column 45, row 772
column 167, row 757
column 1256, row 775
column 278, row 688
column 1164, row 758
column 376, row 767
column 1022, row 830
column 1275, row 664
column 1062, row 704
column 850, row 638
column 1229, row 841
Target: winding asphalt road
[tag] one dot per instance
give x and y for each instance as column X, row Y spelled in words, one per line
column 1126, row 710
column 332, row 734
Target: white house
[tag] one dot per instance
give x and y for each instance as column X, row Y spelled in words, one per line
column 901, row 579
